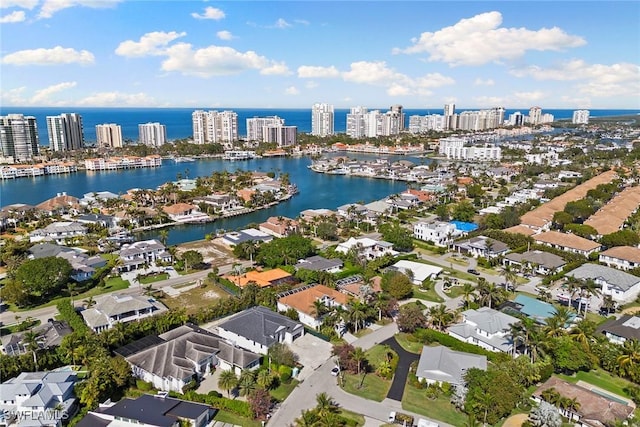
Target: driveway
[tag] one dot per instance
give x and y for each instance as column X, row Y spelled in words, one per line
column 312, row 353
column 402, row 371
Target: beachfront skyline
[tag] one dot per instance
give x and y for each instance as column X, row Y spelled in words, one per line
column 293, row 54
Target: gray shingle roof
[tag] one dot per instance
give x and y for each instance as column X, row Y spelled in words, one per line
column 626, row 327
column 318, row 263
column 259, row 324
column 490, row 320
column 613, row 277
column 545, row 259
column 439, row 363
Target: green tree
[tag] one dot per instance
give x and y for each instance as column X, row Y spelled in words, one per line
column 285, row 251
column 621, row 238
column 401, row 237
column 396, row 284
column 410, row 318
column 264, row 379
column 191, row 259
column 246, row 383
column 228, row 381
column 325, row 404
column 43, row 277
column 463, row 211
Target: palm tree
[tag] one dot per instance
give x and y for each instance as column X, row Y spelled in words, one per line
column 31, row 339
column 228, row 381
column 551, row 396
column 264, row 379
column 89, row 302
column 325, row 405
column 467, row 290
column 571, row 406
column 331, row 420
column 318, row 309
column 164, row 235
column 441, row 317
column 556, row 324
column 583, row 333
column 358, row 313
column 308, row 418
column 590, row 288
column 509, row 276
column 630, row 356
column 379, row 303
column 246, row 383
column 359, row 356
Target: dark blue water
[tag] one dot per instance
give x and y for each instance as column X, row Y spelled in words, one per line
column 316, row 190
column 178, row 120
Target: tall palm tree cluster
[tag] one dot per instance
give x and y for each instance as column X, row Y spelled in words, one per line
column 568, row 406
column 325, row 414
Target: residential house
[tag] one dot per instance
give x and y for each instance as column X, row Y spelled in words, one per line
column 279, row 226
column 302, row 300
column 220, row 202
column 97, row 197
column 351, row 210
column 141, row 254
column 114, row 308
column 367, row 247
column 532, row 308
column 58, row 232
column 257, row 329
column 536, row 262
column 485, row 327
column 440, row 364
column 311, row 215
column 481, row 246
column 356, row 287
column 595, row 409
column 83, row 265
column 184, row 212
column 417, row 271
column 38, row 399
column 622, row 257
column 318, row 263
column 49, row 335
column 567, row 242
column 247, row 235
column 107, row 221
column 622, row 287
column 612, row 216
column 627, row 327
column 173, row 359
column 147, row 410
column 263, row 279
column 439, row 233
column 60, row 204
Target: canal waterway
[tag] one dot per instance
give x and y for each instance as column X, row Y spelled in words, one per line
column 316, row 190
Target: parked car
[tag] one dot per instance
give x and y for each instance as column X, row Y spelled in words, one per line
column 473, row 271
column 400, row 418
column 335, row 371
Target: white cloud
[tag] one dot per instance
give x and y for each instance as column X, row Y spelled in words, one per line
column 13, row 17
column 50, row 7
column 24, row 4
column 597, row 80
column 434, row 80
column 481, row 82
column 43, row 96
column 115, row 99
column 281, row 23
column 302, row 21
column 308, row 71
column 376, row 73
column 224, row 35
column 490, row 101
column 291, row 90
column 210, row 13
column 215, row 61
column 275, row 69
column 481, row 39
column 53, row 56
column 398, row 90
column 311, row 84
column 516, row 99
column 153, row 43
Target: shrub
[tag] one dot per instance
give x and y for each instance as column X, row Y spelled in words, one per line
column 429, row 336
column 285, row 373
column 143, row 385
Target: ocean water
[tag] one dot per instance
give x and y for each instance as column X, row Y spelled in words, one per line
column 178, row 120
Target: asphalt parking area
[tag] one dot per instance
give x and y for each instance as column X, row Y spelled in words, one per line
column 312, row 353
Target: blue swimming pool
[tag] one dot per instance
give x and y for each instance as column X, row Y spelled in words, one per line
column 465, row 226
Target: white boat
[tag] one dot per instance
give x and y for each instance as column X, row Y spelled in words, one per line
column 239, row 155
column 183, row 159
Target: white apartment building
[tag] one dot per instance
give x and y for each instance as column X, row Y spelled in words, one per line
column 356, row 122
column 153, row 134
column 422, row 124
column 580, row 117
column 19, row 138
column 109, row 135
column 535, row 115
column 256, row 125
column 440, row 233
column 460, row 149
column 215, row 127
column 65, row 132
column 322, row 120
column 284, row 136
column 515, row 119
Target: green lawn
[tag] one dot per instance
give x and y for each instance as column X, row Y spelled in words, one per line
column 24, row 325
column 428, row 295
column 357, row 418
column 414, row 400
column 283, row 390
column 152, row 278
column 362, row 332
column 228, row 417
column 409, row 343
column 600, row 378
column 454, row 291
column 373, row 387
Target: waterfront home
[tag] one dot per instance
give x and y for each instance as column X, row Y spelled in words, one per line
column 279, row 226
column 439, row 233
column 351, row 210
column 257, row 329
column 142, row 254
column 302, row 301
column 115, row 308
column 107, row 221
column 125, row 162
column 618, row 331
column 184, row 212
column 481, row 246
column 367, row 247
column 97, row 197
column 234, row 238
column 222, row 202
column 567, row 242
column 19, row 171
column 44, row 397
column 595, row 408
column 245, row 194
column 439, row 364
column 319, row 263
column 485, row 327
column 622, row 257
column 158, row 410
column 417, row 271
column 537, row 262
column 316, row 214
column 60, row 204
column 622, row 287
column 58, row 232
column 173, row 359
column 262, row 279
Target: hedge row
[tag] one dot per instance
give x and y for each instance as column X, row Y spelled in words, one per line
column 428, row 336
column 68, row 313
column 237, row 407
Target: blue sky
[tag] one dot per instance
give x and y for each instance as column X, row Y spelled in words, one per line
column 276, row 54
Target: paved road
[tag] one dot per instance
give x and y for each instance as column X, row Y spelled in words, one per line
column 304, row 396
column 402, row 371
